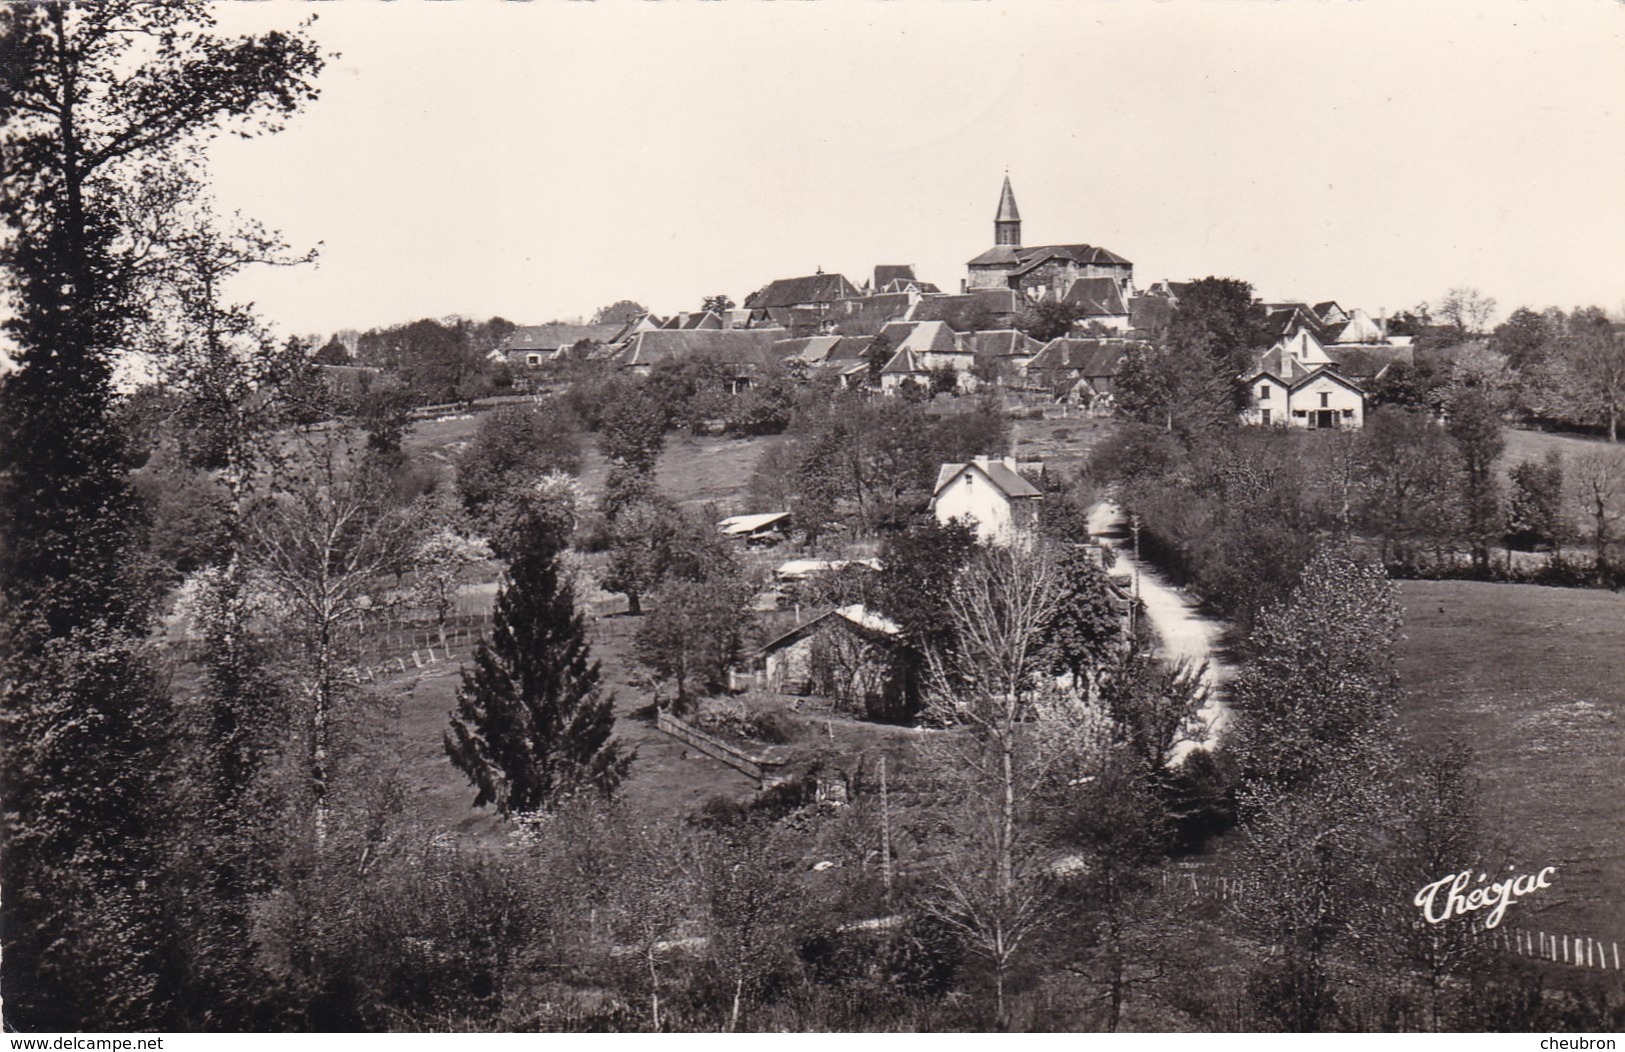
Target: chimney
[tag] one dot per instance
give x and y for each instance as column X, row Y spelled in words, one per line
column 1382, row 324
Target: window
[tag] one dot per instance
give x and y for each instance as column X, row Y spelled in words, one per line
column 1264, row 417
column 533, row 359
column 1263, row 392
column 1348, row 414
column 1325, row 399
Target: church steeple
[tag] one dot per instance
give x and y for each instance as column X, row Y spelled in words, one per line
column 1007, row 224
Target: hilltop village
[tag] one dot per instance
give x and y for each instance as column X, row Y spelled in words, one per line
column 1057, row 318
column 1037, row 650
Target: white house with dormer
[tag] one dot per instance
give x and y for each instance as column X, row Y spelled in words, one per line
column 1295, row 384
column 991, row 494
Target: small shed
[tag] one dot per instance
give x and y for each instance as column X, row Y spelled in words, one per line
column 765, row 528
column 849, row 655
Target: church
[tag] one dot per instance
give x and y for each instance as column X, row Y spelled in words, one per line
column 1046, row 271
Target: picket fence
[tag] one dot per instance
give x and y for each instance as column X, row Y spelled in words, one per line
column 1579, row 951
column 397, row 649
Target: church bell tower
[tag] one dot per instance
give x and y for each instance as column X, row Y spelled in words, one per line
column 1007, row 224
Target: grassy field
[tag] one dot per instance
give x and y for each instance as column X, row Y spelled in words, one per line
column 1534, row 679
column 1534, row 445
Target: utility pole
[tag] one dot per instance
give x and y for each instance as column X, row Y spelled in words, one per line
column 885, row 833
column 1134, row 611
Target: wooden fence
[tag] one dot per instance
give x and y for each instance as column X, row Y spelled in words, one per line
column 755, row 766
column 1580, row 951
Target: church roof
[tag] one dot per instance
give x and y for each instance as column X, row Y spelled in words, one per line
column 1008, row 212
column 1030, row 257
column 812, row 288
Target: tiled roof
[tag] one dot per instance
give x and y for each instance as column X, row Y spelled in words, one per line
column 744, row 346
column 1008, row 482
column 1088, row 357
column 1096, row 297
column 1361, row 362
column 886, row 273
column 1027, row 257
column 813, row 288
column 960, row 311
column 867, row 315
column 1001, row 343
column 553, row 336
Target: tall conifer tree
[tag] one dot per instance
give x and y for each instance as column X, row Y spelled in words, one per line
column 532, row 726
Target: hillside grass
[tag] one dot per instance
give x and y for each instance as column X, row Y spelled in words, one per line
column 1534, row 445
column 1533, row 678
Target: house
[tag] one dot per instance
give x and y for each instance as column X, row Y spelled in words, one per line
column 815, row 292
column 1149, row 315
column 921, row 348
column 530, row 346
column 1087, row 365
column 971, row 311
column 750, row 351
column 895, row 278
column 1008, row 350
column 1285, row 391
column 1098, row 300
column 761, row 529
column 991, row 494
column 1042, row 270
column 867, row 315
column 850, row 655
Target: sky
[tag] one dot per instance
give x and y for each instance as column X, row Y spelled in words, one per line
column 538, row 160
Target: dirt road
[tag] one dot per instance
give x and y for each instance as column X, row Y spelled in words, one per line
column 1182, row 632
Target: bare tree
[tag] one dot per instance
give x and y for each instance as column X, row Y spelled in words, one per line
column 1599, row 485
column 1467, row 309
column 321, row 542
column 996, row 890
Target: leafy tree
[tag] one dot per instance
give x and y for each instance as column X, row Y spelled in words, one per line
column 1046, row 319
column 876, row 355
column 718, row 304
column 513, row 447
column 1523, row 338
column 1474, row 423
column 333, row 352
column 693, row 636
column 1406, row 492
column 1321, row 688
column 944, row 379
column 1314, row 713
column 1535, row 511
column 441, row 563
column 91, row 95
column 532, row 727
column 1591, row 371
column 916, row 579
column 1086, row 631
column 1218, row 322
column 619, row 312
column 631, row 436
